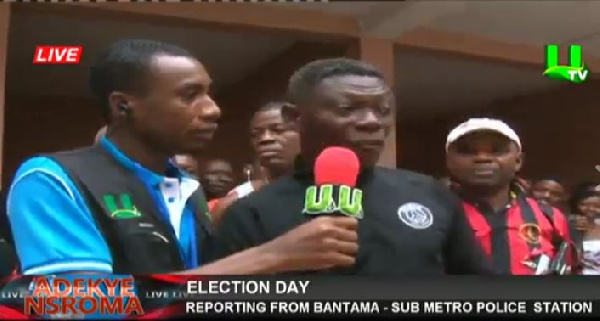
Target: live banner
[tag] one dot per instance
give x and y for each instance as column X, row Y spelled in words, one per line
column 167, row 296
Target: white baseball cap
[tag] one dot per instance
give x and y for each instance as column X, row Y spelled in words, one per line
column 482, row 124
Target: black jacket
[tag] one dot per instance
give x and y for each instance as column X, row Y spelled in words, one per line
column 139, row 245
column 412, row 224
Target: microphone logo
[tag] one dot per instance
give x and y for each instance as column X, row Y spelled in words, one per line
column 322, row 200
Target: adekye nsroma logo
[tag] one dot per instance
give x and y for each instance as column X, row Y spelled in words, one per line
column 322, row 200
column 72, row 296
column 577, row 72
column 125, row 210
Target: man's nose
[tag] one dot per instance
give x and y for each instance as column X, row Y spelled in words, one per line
column 482, row 156
column 266, row 137
column 210, row 111
column 370, row 121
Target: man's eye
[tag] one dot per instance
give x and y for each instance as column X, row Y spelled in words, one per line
column 278, row 129
column 385, row 110
column 349, row 108
column 254, row 134
column 463, row 149
column 500, row 149
column 190, row 95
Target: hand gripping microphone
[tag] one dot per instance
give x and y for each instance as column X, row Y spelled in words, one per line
column 334, row 193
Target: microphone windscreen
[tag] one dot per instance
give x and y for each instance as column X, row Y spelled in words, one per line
column 337, row 166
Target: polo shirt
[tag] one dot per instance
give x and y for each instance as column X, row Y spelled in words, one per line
column 54, row 230
column 514, row 235
column 412, row 224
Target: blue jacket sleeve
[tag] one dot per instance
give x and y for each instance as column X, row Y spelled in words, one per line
column 54, row 231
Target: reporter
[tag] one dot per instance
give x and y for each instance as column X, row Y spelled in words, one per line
column 136, row 212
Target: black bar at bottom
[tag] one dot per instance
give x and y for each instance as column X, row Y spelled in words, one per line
column 403, row 308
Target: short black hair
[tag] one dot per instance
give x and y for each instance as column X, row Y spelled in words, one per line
column 273, row 105
column 124, row 66
column 277, row 105
column 305, row 79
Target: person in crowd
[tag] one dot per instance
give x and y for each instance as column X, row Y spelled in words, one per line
column 275, row 141
column 409, row 223
column 101, row 132
column 216, row 178
column 483, row 156
column 584, row 206
column 549, row 191
column 187, row 163
column 135, row 212
column 525, row 183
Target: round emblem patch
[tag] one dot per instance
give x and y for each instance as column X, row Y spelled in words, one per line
column 530, row 233
column 415, row 215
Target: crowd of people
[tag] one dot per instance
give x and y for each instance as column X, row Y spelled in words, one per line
column 136, row 202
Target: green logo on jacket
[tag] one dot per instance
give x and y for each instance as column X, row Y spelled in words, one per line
column 124, row 210
column 323, row 200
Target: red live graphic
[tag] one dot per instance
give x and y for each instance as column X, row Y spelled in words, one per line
column 57, row 54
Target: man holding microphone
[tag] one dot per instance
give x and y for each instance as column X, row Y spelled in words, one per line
column 121, row 206
column 409, row 223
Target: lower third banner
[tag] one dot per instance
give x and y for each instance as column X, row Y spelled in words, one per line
column 393, row 308
column 167, row 296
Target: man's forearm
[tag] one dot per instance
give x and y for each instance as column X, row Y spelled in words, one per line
column 249, row 262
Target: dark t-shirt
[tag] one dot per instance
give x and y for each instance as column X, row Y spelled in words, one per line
column 412, row 224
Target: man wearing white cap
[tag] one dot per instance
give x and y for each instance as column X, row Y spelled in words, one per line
column 519, row 235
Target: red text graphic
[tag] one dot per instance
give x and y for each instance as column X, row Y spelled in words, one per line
column 57, row 54
column 81, row 296
column 82, row 306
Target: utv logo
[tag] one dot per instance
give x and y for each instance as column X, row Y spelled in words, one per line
column 577, row 72
column 321, row 200
column 124, row 210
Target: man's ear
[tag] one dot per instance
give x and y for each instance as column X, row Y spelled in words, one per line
column 290, row 114
column 519, row 162
column 121, row 105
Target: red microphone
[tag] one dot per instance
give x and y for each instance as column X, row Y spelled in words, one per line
column 336, row 171
column 337, row 166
